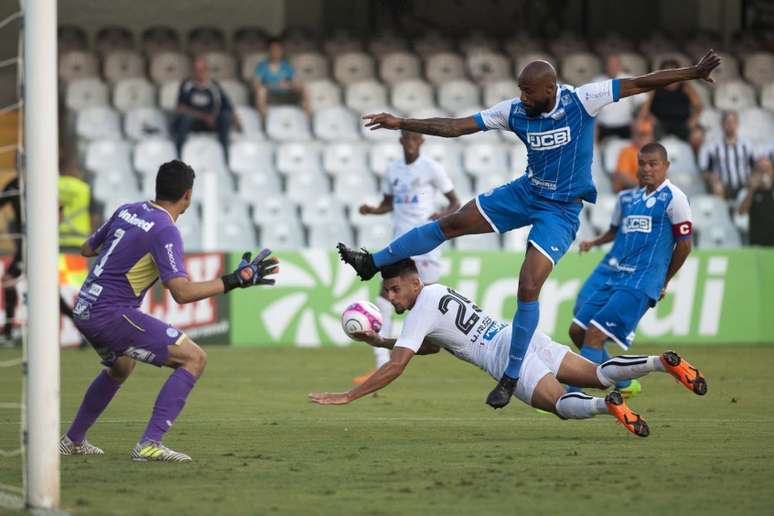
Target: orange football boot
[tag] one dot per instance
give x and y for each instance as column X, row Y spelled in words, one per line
column 626, row 416
column 684, row 372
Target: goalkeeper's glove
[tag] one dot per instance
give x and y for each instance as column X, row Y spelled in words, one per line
column 252, row 272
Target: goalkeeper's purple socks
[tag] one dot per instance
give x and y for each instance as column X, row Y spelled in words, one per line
column 418, row 241
column 97, row 397
column 169, row 404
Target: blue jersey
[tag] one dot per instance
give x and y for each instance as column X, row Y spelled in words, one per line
column 650, row 225
column 625, row 198
column 560, row 144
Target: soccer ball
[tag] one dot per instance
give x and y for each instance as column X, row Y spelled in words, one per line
column 361, row 316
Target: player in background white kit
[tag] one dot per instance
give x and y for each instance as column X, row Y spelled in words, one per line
column 443, row 318
column 409, row 188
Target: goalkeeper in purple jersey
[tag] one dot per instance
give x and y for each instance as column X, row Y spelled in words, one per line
column 139, row 244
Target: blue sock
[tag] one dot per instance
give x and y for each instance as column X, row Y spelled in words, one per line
column 524, row 323
column 419, row 240
column 599, row 356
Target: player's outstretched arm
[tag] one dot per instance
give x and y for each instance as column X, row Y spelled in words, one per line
column 660, row 78
column 381, row 378
column 445, row 127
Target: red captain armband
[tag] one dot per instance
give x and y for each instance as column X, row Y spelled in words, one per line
column 682, row 230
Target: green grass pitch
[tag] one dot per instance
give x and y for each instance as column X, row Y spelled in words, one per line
column 425, row 445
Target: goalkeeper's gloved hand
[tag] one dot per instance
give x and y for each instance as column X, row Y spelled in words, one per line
column 252, row 272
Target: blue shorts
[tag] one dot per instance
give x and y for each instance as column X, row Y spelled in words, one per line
column 515, row 205
column 594, row 282
column 615, row 312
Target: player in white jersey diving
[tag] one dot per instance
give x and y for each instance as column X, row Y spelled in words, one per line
column 409, row 189
column 439, row 318
column 556, row 123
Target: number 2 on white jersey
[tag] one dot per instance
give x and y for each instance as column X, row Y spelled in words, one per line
column 100, row 267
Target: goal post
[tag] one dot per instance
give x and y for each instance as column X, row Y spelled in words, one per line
column 41, row 165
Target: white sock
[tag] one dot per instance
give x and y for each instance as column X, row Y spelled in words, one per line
column 577, row 405
column 385, row 308
column 627, row 367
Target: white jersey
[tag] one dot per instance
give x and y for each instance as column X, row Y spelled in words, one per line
column 413, row 188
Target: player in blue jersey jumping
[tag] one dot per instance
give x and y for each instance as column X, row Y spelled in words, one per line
column 556, row 123
column 656, row 230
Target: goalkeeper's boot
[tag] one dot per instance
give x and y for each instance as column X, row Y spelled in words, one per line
column 684, row 372
column 626, row 416
column 68, row 447
column 153, row 451
column 631, row 390
column 361, row 261
column 501, row 394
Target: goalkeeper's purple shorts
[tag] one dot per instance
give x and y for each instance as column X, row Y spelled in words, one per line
column 130, row 332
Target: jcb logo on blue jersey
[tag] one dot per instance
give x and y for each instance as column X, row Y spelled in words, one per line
column 548, row 140
column 639, row 223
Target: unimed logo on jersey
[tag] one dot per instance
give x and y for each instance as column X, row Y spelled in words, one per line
column 640, row 223
column 548, row 140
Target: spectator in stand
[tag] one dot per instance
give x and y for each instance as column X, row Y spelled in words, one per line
column 275, row 83
column 696, row 140
column 616, row 119
column 757, row 201
column 625, row 175
column 203, row 106
column 676, row 107
column 726, row 163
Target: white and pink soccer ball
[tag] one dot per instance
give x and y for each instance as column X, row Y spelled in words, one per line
column 361, row 316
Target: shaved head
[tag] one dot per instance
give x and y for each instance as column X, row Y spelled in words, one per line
column 537, row 82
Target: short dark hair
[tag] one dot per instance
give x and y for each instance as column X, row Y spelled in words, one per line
column 656, row 148
column 401, row 268
column 173, row 179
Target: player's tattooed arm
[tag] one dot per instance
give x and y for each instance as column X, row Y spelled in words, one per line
column 661, row 78
column 375, row 340
column 679, row 254
column 445, row 127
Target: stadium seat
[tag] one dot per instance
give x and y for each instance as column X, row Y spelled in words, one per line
column 323, row 210
column 680, row 155
column 168, row 93
column 190, row 227
column 412, row 95
column 633, row 64
column 114, row 183
column 221, row 65
column 497, row 91
column 341, row 42
column 113, row 38
column 98, row 122
column 344, row 157
column 323, row 94
column 398, row 66
column 516, row 239
column 363, row 96
column 247, row 155
column 612, row 42
column 432, row 42
column 352, row 187
column 150, row 153
column 335, row 124
column 306, row 186
column 123, row 64
column 145, row 122
column 250, row 120
column 444, row 67
column 611, row 149
column 387, row 42
column 133, row 93
column 690, row 183
column 83, row 93
column 299, row 40
column 235, row 231
column 248, row 65
column 375, row 234
column 482, row 242
column 287, row 123
column 757, row 125
column 323, row 236
column 457, row 94
column 353, row 67
column 77, row 65
column 477, row 42
column 758, row 68
column 485, row 183
column 525, row 59
column 447, row 153
column 273, row 209
column 206, row 39
column 159, row 39
column 282, row 235
column 310, row 66
column 236, row 91
column 483, row 159
column 204, row 153
column 580, row 67
column 71, row 37
column 710, row 120
column 486, row 67
column 734, row 95
column 294, row 158
column 719, row 237
column 728, row 70
column 518, row 158
column 169, row 66
column 767, row 97
column 382, row 154
column 108, row 155
column 258, row 184
column 379, row 135
column 709, row 211
column 250, row 39
column 602, row 212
